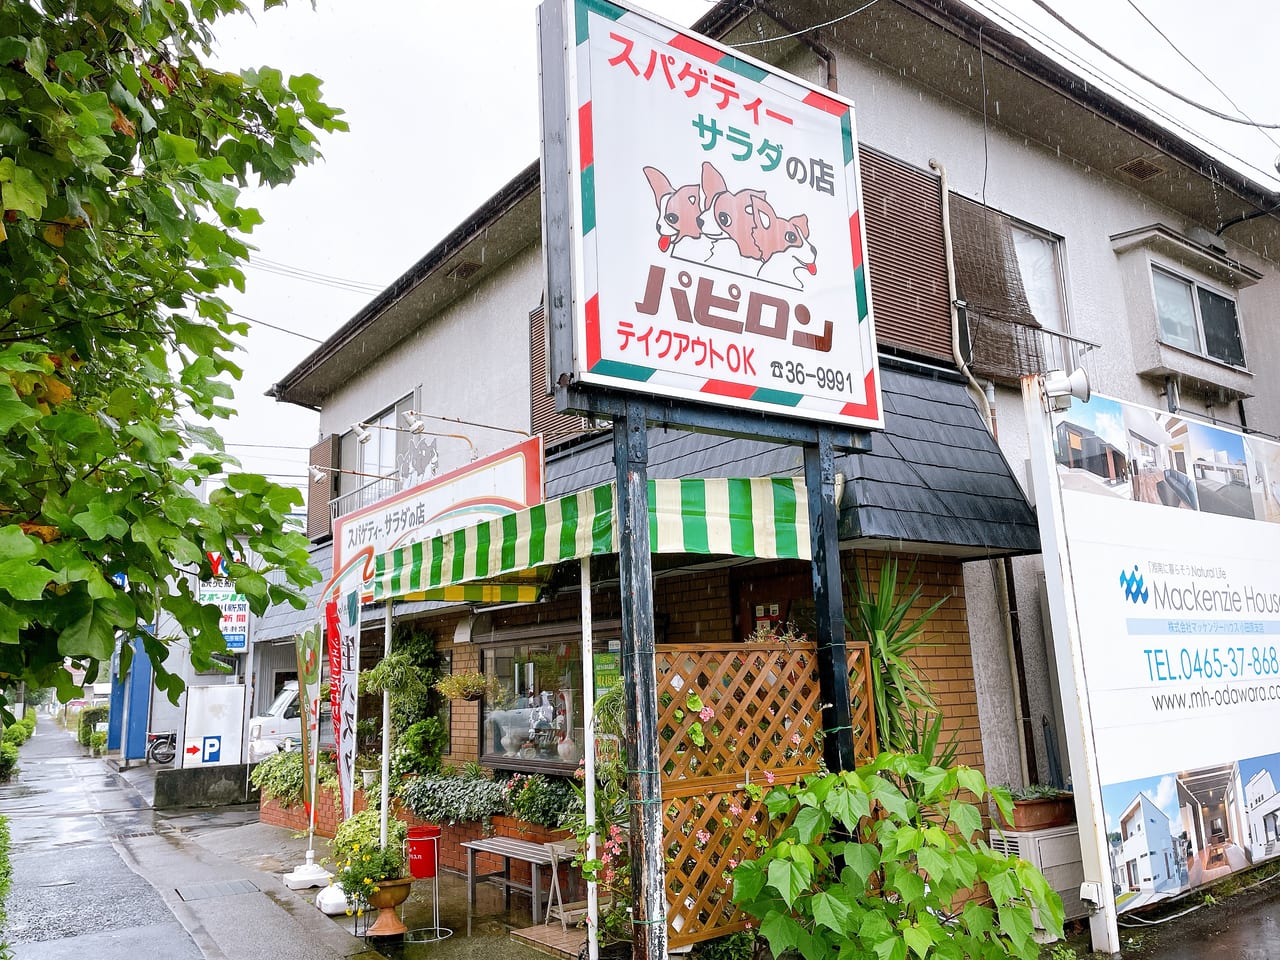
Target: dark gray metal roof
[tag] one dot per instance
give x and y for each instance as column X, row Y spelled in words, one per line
column 934, row 475
column 282, row 621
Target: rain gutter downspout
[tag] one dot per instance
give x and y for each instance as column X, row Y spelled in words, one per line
column 1001, row 570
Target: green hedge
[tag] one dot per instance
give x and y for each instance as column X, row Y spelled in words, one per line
column 8, row 760
column 20, row 731
column 89, row 717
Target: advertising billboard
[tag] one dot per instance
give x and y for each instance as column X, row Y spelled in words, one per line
column 1173, row 531
column 221, row 592
column 500, row 483
column 713, row 227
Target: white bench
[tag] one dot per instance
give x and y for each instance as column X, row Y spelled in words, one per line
column 534, row 854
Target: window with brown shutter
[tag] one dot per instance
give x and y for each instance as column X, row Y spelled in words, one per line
column 1009, row 275
column 543, row 418
column 902, row 211
column 321, row 493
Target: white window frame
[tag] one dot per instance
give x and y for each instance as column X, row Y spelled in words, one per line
column 1197, row 283
column 1060, row 271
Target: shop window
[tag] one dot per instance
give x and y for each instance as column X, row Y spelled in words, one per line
column 1196, row 319
column 535, row 720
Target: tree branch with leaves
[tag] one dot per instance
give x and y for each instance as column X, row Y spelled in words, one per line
column 122, row 157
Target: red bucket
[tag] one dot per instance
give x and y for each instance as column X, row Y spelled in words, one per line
column 423, row 845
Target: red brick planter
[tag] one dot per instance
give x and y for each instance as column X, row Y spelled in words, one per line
column 328, row 811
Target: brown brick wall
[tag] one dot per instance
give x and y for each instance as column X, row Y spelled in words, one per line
column 715, row 606
column 944, row 657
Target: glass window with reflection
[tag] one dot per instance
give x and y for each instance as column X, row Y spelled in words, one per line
column 535, row 719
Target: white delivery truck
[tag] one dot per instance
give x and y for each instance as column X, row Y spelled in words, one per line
column 280, row 728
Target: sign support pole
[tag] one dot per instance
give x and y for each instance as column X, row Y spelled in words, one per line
column 828, row 596
column 644, row 786
column 1077, row 713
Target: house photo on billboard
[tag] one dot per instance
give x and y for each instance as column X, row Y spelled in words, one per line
column 836, row 227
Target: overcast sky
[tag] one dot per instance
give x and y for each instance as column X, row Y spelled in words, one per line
column 442, row 102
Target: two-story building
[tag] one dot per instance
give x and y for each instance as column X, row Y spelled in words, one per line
column 1062, row 229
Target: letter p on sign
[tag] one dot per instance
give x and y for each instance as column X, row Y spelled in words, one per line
column 211, row 750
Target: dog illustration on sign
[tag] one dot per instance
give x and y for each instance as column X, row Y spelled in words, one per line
column 737, row 231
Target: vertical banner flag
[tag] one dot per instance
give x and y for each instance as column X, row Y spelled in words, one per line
column 333, row 641
column 349, row 672
column 308, row 644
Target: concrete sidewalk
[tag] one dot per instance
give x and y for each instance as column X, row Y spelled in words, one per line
column 98, row 873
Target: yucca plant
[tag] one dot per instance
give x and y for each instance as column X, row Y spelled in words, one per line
column 898, row 688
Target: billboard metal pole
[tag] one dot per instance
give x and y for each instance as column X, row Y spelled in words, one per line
column 1076, row 712
column 828, row 596
column 644, row 785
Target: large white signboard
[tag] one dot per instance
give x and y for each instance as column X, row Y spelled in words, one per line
column 717, row 244
column 1173, row 530
column 498, row 484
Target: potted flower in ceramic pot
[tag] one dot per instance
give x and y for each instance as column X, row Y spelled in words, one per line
column 371, row 874
column 1039, row 807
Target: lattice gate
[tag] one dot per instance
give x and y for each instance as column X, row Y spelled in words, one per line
column 756, row 709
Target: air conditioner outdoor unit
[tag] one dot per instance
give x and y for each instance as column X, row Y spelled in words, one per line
column 1055, row 852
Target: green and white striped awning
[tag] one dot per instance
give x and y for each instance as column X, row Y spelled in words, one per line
column 750, row 517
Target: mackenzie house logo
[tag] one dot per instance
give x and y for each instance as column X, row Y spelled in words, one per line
column 1134, row 588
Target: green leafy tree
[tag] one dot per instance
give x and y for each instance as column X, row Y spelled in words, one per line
column 122, row 156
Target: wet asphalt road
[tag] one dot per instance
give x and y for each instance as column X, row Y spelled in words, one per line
column 98, row 874
column 72, row 891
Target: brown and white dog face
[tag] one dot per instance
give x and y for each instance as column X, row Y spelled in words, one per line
column 728, row 216
column 787, row 236
column 678, row 209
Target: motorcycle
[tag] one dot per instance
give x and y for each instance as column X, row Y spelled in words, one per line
column 162, row 746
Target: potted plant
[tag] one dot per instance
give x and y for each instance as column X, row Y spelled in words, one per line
column 1040, row 806
column 370, row 874
column 468, row 685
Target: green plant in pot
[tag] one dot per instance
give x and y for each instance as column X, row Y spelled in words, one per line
column 890, row 861
column 467, row 685
column 371, row 874
column 881, row 618
column 1039, row 807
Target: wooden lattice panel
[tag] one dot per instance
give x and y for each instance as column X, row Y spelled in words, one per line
column 706, row 833
column 761, row 711
column 862, row 708
column 763, row 725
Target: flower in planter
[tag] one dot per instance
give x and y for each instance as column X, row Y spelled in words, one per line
column 362, row 863
column 468, row 685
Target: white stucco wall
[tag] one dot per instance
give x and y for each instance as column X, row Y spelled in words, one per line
column 471, row 361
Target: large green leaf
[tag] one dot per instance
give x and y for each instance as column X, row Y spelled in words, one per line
column 831, row 911
column 24, row 579
column 101, row 522
column 788, row 878
column 94, row 633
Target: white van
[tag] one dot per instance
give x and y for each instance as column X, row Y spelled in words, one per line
column 280, row 728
